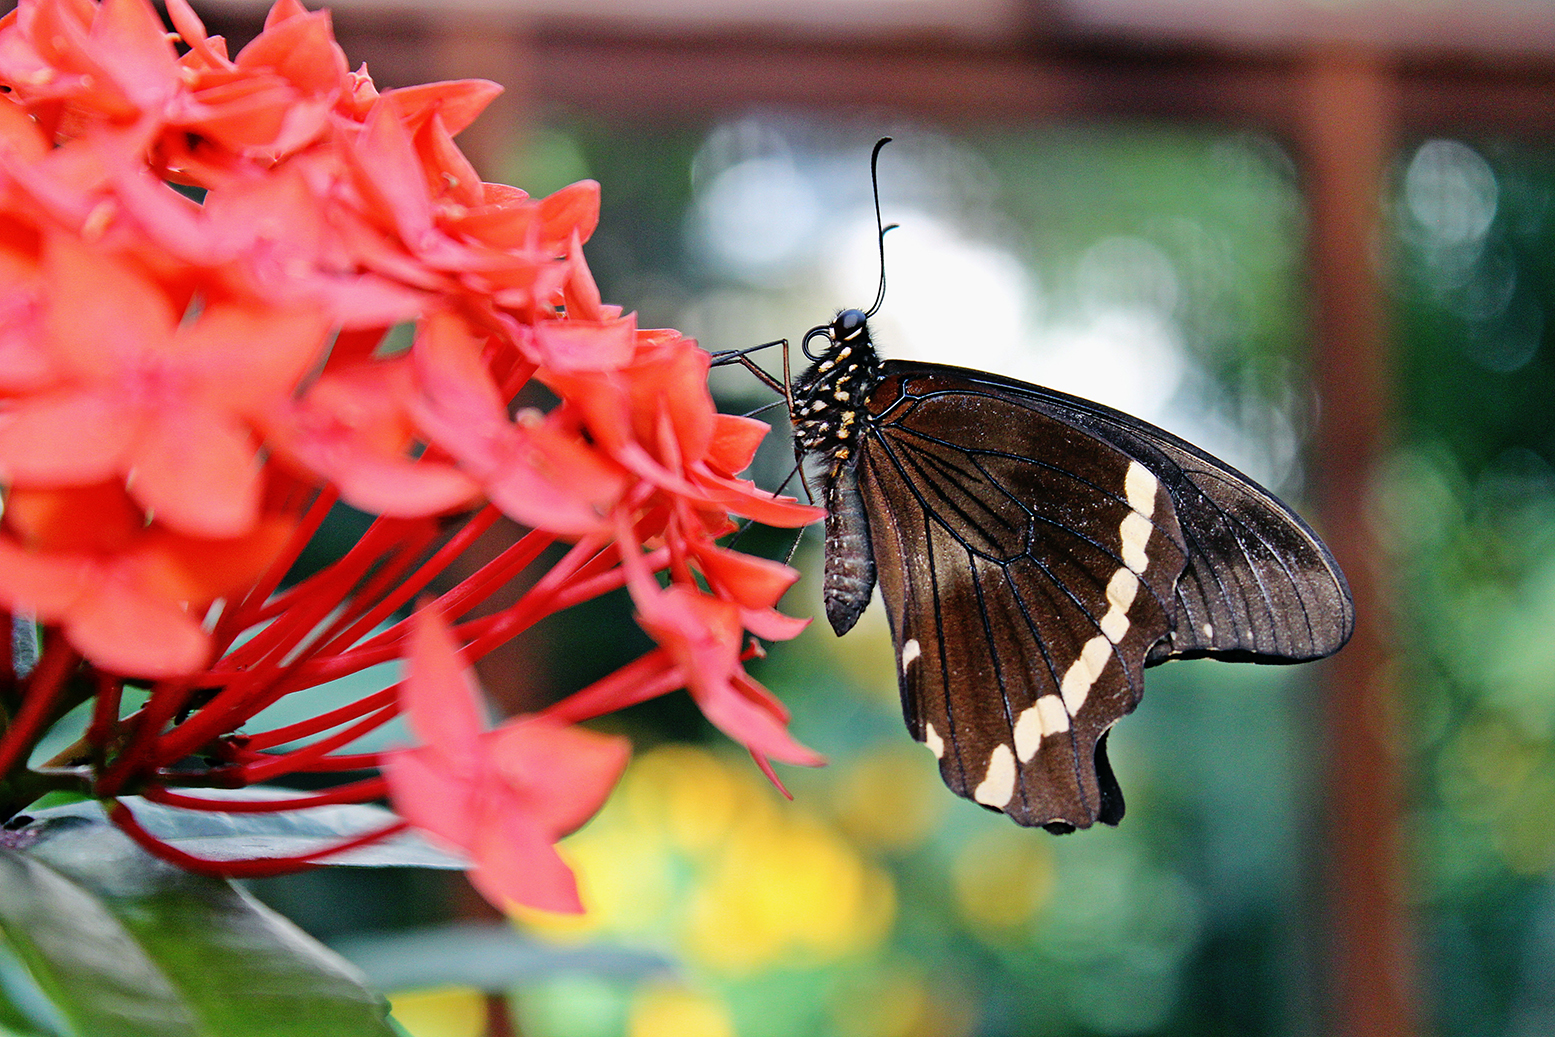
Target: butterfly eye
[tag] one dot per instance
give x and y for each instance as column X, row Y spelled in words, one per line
column 848, row 325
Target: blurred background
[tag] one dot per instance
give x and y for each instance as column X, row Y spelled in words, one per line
column 1316, row 239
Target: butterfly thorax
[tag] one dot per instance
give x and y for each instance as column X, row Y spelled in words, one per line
column 830, row 399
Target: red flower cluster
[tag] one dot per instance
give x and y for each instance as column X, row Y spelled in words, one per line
column 202, row 257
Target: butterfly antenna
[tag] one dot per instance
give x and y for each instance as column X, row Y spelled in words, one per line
column 874, row 179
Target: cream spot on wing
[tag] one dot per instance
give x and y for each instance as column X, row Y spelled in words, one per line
column 1139, row 486
column 1045, row 717
column 1120, row 595
column 932, row 739
column 1209, row 631
column 910, row 652
column 998, row 786
column 1083, row 673
column 1122, row 588
column 1135, row 531
column 1028, row 733
column 1055, row 719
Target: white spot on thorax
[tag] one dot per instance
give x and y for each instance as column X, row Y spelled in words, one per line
column 998, row 786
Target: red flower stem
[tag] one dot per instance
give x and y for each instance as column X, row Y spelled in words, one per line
column 105, row 713
column 298, row 611
column 331, row 764
column 121, row 816
column 387, row 647
column 42, row 688
column 307, row 757
column 593, row 586
column 220, row 715
column 382, row 538
column 333, row 580
column 529, row 609
column 495, row 574
column 324, row 721
column 352, row 792
column 406, row 591
column 383, row 648
column 277, row 630
column 261, row 686
column 233, row 621
column 536, row 604
column 243, row 698
column 652, row 675
column 375, row 600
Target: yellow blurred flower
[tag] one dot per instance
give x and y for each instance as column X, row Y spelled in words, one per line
column 706, row 857
column 444, row 1012
column 675, row 1011
column 901, row 1002
column 1002, row 878
column 890, row 799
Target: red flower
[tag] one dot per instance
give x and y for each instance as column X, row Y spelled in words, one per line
column 140, row 392
column 186, row 388
column 503, row 796
column 354, row 427
column 127, row 594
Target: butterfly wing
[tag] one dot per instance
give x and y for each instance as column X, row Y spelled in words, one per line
column 1259, row 585
column 1037, row 552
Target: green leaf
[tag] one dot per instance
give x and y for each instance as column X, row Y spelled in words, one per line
column 127, row 945
column 24, row 1010
column 489, row 956
column 221, row 836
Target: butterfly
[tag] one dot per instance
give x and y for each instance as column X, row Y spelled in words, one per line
column 1036, row 553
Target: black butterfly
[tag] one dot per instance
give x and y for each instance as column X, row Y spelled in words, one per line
column 1036, row 552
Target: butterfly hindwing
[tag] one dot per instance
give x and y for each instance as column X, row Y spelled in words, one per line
column 1026, row 584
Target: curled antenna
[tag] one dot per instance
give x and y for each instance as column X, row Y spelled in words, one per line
column 874, row 179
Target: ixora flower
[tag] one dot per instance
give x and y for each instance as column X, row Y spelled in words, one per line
column 187, row 387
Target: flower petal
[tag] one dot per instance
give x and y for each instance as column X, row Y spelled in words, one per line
column 426, row 794
column 67, row 438
column 442, row 701
column 734, row 442
column 199, row 472
column 135, row 634
column 516, row 863
column 565, row 772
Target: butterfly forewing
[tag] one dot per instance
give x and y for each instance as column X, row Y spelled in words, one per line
column 1026, row 583
column 1259, row 583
